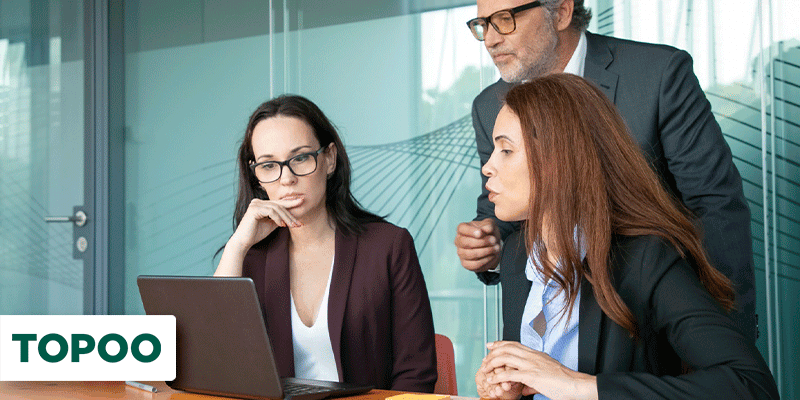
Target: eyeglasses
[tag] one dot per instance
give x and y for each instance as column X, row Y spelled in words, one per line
column 503, row 21
column 300, row 165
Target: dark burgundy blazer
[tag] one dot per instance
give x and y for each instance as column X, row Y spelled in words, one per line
column 379, row 314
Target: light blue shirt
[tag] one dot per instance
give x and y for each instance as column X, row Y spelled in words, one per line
column 560, row 339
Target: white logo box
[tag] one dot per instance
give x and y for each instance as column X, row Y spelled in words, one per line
column 90, row 367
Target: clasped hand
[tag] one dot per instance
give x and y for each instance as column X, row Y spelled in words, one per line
column 511, row 370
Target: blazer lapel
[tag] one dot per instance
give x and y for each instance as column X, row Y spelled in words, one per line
column 598, row 58
column 589, row 330
column 278, row 314
column 514, row 283
column 344, row 262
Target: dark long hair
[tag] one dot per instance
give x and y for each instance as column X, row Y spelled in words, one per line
column 586, row 171
column 339, row 200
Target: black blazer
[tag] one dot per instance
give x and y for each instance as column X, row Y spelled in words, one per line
column 677, row 319
column 379, row 315
column 660, row 99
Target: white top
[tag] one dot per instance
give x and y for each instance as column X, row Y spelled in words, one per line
column 313, row 353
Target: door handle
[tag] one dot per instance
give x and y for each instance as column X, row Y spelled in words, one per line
column 79, row 219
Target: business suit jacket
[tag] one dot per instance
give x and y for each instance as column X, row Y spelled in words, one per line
column 379, row 315
column 667, row 113
column 677, row 320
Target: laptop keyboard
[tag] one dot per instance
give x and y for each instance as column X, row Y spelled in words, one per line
column 294, row 389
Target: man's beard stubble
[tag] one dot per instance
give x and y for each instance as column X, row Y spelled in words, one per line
column 537, row 63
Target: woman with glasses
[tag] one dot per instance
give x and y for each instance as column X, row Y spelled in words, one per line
column 343, row 284
column 622, row 302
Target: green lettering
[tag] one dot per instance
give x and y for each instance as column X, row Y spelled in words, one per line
column 123, row 347
column 77, row 350
column 137, row 354
column 62, row 352
column 23, row 339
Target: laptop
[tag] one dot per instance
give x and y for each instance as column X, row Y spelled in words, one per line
column 222, row 343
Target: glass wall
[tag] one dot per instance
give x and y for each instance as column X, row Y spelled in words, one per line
column 41, row 155
column 398, row 79
column 400, row 93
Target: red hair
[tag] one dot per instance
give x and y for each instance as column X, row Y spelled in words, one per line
column 587, row 172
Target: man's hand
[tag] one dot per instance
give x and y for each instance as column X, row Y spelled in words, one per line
column 478, row 245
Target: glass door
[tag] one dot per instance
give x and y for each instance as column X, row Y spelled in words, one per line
column 42, row 158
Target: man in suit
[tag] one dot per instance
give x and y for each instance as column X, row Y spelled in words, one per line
column 667, row 113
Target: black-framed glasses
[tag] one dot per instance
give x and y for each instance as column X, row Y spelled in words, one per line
column 503, row 21
column 300, row 165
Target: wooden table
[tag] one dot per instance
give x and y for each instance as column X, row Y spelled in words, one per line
column 118, row 390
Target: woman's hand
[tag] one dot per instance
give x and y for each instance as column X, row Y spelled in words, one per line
column 261, row 218
column 504, row 390
column 512, row 363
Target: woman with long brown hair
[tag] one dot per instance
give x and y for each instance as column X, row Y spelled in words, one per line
column 622, row 296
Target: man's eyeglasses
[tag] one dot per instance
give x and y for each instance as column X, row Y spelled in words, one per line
column 300, row 165
column 503, row 21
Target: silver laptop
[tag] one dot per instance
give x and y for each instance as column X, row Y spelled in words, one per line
column 222, row 343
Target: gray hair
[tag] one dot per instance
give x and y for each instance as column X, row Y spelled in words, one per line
column 580, row 14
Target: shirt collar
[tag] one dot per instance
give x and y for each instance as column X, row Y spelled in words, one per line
column 578, row 59
column 532, row 272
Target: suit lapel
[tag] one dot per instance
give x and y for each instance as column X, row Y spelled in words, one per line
column 589, row 330
column 598, row 58
column 344, row 261
column 278, row 314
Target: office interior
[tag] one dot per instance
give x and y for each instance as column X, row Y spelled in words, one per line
column 130, row 112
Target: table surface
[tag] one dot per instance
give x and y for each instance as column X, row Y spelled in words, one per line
column 119, row 390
